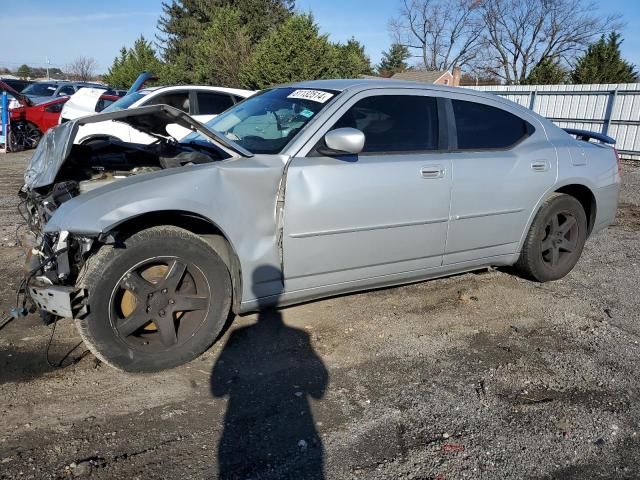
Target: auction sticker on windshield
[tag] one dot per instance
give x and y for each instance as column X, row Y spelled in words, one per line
column 313, row 95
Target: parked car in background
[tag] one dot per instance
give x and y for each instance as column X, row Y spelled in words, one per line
column 202, row 102
column 87, row 101
column 43, row 91
column 300, row 192
column 28, row 120
column 17, row 84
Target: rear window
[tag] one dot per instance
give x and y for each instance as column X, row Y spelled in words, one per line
column 481, row 127
column 41, row 89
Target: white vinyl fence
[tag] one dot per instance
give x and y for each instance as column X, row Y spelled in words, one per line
column 612, row 109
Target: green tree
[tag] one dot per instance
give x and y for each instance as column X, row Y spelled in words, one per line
column 603, row 63
column 132, row 62
column 223, row 50
column 24, row 71
column 547, row 72
column 351, row 61
column 184, row 23
column 394, row 61
column 297, row 51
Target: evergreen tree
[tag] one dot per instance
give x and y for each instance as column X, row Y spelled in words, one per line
column 24, row 71
column 603, row 63
column 394, row 61
column 131, row 63
column 297, row 51
column 223, row 50
column 351, row 60
column 183, row 23
column 547, row 72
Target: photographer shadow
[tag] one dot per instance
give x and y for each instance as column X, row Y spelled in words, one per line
column 269, row 370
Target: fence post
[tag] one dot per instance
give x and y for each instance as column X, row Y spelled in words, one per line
column 532, row 98
column 609, row 111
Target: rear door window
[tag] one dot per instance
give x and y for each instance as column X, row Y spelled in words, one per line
column 482, row 127
column 179, row 100
column 394, row 123
column 210, row 103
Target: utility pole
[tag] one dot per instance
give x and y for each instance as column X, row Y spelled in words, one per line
column 48, row 77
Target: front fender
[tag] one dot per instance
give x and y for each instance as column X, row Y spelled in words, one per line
column 237, row 196
column 102, row 209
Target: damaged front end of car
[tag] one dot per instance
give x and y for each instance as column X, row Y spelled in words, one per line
column 60, row 170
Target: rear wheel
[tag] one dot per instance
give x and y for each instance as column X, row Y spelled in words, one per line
column 156, row 303
column 555, row 240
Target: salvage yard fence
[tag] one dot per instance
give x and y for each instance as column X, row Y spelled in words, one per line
column 612, row 108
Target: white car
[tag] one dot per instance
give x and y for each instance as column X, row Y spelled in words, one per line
column 201, row 102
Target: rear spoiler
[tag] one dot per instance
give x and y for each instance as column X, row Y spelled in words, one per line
column 587, row 135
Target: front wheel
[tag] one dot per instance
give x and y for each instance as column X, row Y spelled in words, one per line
column 157, row 303
column 555, row 240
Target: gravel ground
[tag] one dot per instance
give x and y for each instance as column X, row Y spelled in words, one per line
column 482, row 375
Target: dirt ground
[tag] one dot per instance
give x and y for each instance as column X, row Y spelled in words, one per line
column 482, row 376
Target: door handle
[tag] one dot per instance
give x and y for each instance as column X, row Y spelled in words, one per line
column 540, row 166
column 432, row 171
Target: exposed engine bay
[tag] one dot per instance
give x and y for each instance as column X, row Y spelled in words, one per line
column 61, row 170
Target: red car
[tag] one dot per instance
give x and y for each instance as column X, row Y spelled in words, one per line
column 32, row 121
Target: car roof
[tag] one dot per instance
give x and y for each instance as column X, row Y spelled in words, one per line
column 234, row 91
column 360, row 84
column 366, row 83
column 70, row 82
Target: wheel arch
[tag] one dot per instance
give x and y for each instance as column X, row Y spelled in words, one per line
column 587, row 199
column 194, row 223
column 98, row 136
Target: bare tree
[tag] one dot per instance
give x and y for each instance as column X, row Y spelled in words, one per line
column 446, row 33
column 82, row 69
column 520, row 34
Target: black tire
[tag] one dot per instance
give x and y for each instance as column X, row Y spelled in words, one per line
column 32, row 135
column 156, row 302
column 555, row 240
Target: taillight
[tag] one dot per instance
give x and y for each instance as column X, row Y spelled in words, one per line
column 619, row 162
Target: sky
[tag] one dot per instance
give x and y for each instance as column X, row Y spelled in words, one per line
column 58, row 31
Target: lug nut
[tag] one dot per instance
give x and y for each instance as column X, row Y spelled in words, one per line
column 172, row 301
column 164, row 290
column 161, row 313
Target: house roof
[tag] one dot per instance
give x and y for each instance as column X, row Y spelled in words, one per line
column 426, row 76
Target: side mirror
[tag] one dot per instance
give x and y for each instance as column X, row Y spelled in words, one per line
column 342, row 141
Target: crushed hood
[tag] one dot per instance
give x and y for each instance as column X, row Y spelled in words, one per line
column 54, row 148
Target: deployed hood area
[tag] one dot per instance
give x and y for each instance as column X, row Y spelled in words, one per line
column 57, row 146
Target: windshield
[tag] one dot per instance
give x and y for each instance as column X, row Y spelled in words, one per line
column 125, row 102
column 268, row 121
column 40, row 89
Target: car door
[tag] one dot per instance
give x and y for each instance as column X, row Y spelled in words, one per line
column 501, row 165
column 382, row 213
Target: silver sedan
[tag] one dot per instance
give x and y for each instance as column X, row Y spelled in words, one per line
column 297, row 193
